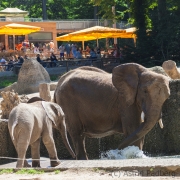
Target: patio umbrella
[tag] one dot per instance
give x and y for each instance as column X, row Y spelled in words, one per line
column 69, row 37
column 18, row 29
column 92, row 33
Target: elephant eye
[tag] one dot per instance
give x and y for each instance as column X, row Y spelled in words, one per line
column 145, row 91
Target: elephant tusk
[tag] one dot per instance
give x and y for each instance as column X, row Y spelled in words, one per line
column 161, row 124
column 160, row 120
column 142, row 116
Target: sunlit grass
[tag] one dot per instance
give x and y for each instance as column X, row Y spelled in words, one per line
column 57, row 171
column 7, row 81
column 6, row 171
column 29, row 171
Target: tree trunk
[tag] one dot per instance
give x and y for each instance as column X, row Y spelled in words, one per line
column 162, row 16
column 139, row 12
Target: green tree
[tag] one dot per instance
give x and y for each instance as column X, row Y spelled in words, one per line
column 56, row 9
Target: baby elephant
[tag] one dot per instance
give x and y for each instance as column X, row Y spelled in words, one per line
column 29, row 122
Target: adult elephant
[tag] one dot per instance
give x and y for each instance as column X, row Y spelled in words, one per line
column 97, row 104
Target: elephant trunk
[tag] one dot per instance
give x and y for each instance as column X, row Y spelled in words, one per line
column 143, row 129
column 65, row 138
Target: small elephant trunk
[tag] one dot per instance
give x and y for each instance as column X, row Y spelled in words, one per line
column 139, row 133
column 65, row 138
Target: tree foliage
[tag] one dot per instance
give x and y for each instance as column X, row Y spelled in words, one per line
column 56, row 9
column 157, row 23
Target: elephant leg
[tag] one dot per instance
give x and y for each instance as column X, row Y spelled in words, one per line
column 47, row 138
column 140, row 143
column 25, row 161
column 79, row 144
column 35, row 153
column 21, row 150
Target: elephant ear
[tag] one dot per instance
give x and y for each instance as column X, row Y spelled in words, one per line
column 126, row 78
column 52, row 110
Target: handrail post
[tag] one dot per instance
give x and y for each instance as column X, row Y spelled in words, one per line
column 67, row 68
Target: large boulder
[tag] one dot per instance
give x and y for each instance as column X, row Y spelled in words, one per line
column 171, row 69
column 10, row 100
column 31, row 74
column 159, row 70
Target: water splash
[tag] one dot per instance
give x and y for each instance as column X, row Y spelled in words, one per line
column 130, row 152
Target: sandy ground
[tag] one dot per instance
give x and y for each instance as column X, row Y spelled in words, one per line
column 81, row 174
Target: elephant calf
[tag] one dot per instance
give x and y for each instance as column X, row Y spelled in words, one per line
column 29, row 122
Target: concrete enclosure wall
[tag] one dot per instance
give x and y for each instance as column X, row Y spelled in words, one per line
column 157, row 142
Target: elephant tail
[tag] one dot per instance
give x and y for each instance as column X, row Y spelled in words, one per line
column 13, row 126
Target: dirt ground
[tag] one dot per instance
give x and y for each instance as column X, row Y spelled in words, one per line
column 81, row 174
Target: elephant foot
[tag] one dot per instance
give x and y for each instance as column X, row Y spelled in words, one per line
column 81, row 157
column 26, row 164
column 55, row 162
column 36, row 164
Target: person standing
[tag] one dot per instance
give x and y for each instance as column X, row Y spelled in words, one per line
column 24, row 46
column 51, row 44
column 68, row 50
column 74, row 49
column 61, row 49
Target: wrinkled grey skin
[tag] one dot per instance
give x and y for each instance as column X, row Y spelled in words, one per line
column 30, row 122
column 98, row 104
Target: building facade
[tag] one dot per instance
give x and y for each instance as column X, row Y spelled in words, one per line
column 47, row 33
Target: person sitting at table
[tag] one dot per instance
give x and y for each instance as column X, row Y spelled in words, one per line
column 10, row 64
column 39, row 60
column 88, row 49
column 53, row 60
column 93, row 54
column 78, row 54
column 98, row 52
column 3, row 62
column 116, row 52
column 20, row 60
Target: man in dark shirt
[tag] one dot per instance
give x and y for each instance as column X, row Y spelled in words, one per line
column 20, row 60
column 53, row 60
column 40, row 61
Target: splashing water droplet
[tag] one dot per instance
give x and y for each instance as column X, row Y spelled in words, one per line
column 130, row 152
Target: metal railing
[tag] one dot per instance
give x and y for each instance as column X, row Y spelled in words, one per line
column 21, row 19
column 82, row 24
column 99, row 63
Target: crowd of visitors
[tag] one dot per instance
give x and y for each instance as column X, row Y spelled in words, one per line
column 8, row 64
column 36, row 48
column 72, row 50
column 66, row 51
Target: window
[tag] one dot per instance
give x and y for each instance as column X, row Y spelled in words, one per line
column 40, row 36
